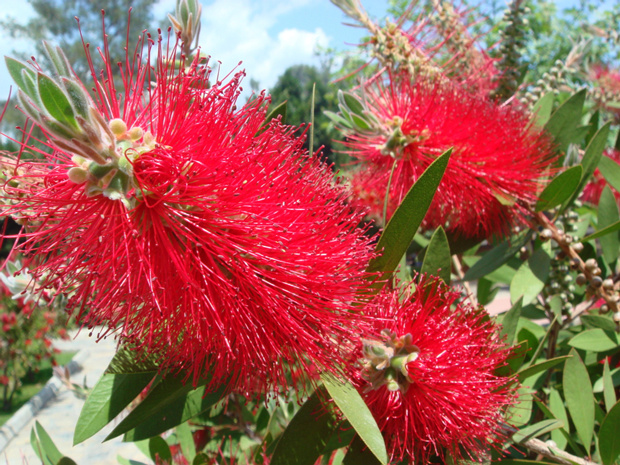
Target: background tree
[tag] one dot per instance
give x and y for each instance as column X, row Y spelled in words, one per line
column 54, row 21
column 295, row 87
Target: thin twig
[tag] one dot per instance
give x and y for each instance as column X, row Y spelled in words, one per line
column 459, row 273
column 548, row 450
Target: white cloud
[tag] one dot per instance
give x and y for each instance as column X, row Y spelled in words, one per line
column 242, row 30
column 232, row 31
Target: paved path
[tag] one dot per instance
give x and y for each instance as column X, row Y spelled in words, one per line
column 59, row 415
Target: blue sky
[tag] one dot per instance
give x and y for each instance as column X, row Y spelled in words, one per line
column 268, row 36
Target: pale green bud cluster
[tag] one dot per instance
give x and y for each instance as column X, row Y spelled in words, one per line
column 385, row 362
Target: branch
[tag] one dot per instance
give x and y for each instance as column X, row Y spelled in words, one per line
column 549, row 450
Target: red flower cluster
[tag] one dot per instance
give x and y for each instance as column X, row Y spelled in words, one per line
column 427, row 374
column 198, row 231
column 499, row 161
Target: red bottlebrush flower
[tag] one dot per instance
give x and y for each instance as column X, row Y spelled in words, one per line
column 4, row 380
column 593, row 190
column 499, row 160
column 607, row 91
column 194, row 228
column 427, row 374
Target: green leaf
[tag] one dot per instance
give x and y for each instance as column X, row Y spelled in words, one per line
column 560, row 189
column 510, row 321
column 58, row 59
column 602, row 232
column 351, row 102
column 186, row 441
column 405, row 221
column 55, row 101
column 124, row 461
column 608, row 215
column 438, row 260
column 542, row 110
column 593, row 123
column 591, row 159
column 609, row 391
column 159, row 451
column 519, row 414
column 278, row 110
column 539, row 367
column 337, row 119
column 79, row 99
column 162, row 398
column 46, row 449
column 599, row 385
column 608, row 443
column 610, row 169
column 111, row 394
column 66, row 461
column 556, row 405
column 359, row 454
column 307, row 434
column 538, row 429
column 598, row 321
column 356, row 411
column 202, row 459
column 525, row 462
column 565, row 119
column 595, row 340
column 531, row 276
column 497, row 256
column 579, row 398
column 36, row 447
column 18, row 70
column 177, row 412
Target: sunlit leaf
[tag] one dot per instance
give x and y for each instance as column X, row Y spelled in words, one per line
column 579, row 398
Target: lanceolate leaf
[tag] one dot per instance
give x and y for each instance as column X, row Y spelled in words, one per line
column 609, row 435
column 565, row 119
column 47, row 444
column 405, row 221
column 164, row 395
column 177, row 412
column 111, row 394
column 359, row 454
column 560, row 189
column 543, row 366
column 591, row 159
column 438, row 260
column 55, row 101
column 510, row 321
column 356, row 411
column 16, row 70
column 603, row 232
column 496, row 257
column 608, row 215
column 610, row 169
column 542, row 110
column 595, row 340
column 538, row 429
column 159, row 450
column 609, row 391
column 279, row 110
column 305, row 437
column 579, row 398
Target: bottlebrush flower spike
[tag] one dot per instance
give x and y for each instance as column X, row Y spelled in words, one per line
column 195, row 229
column 499, row 160
column 427, row 374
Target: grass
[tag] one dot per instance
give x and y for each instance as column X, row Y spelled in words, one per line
column 34, row 384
